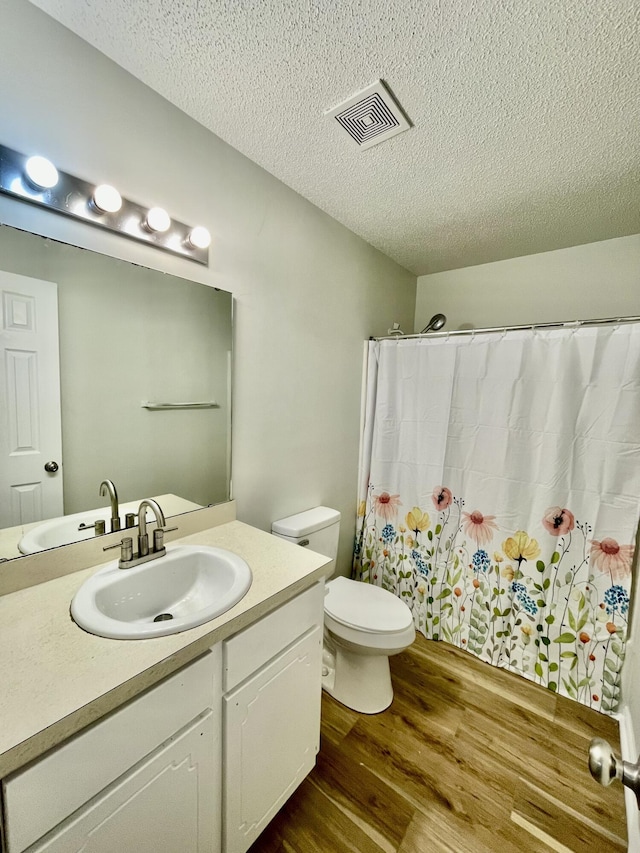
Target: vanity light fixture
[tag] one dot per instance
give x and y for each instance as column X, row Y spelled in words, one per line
column 107, row 199
column 41, row 172
column 199, row 238
column 36, row 180
column 158, row 219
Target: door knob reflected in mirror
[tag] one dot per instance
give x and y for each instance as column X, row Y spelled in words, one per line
column 51, row 467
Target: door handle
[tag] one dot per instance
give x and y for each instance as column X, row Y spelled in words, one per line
column 605, row 766
column 51, row 467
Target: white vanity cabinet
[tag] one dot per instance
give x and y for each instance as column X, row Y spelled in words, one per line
column 145, row 778
column 198, row 763
column 271, row 714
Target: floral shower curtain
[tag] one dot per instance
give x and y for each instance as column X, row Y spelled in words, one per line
column 499, row 492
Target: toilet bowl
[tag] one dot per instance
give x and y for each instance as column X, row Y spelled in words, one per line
column 363, row 624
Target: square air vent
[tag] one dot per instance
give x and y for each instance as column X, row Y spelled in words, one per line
column 370, row 116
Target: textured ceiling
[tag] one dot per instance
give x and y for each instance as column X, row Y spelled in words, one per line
column 526, row 112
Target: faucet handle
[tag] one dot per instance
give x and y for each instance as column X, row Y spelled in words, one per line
column 158, row 537
column 126, row 548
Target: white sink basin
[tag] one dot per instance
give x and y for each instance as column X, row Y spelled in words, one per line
column 64, row 530
column 191, row 584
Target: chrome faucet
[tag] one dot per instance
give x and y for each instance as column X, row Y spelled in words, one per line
column 127, row 557
column 107, row 487
column 158, row 533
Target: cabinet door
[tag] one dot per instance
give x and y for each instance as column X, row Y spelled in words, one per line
column 270, row 739
column 167, row 803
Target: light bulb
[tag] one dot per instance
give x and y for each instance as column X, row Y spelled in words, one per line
column 107, row 199
column 158, row 220
column 199, row 238
column 41, row 172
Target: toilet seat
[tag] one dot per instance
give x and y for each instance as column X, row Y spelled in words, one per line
column 365, row 607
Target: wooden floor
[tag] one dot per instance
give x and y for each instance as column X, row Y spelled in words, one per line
column 467, row 759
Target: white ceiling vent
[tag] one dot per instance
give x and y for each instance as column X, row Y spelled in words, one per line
column 370, row 116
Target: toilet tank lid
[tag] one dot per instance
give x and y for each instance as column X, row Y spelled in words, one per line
column 306, row 522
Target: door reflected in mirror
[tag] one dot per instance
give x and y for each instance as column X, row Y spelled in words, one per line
column 109, row 370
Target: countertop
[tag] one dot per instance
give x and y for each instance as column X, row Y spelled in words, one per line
column 56, row 678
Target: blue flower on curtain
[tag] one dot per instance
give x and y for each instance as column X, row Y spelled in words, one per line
column 617, row 600
column 525, row 600
column 388, row 533
column 421, row 566
column 481, row 561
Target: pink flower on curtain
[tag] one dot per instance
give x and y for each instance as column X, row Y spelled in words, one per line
column 441, row 497
column 610, row 557
column 479, row 527
column 558, row 521
column 386, row 505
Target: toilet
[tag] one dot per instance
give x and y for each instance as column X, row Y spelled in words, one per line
column 363, row 624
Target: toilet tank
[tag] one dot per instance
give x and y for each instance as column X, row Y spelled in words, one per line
column 317, row 529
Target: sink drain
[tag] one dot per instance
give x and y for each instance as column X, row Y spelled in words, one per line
column 163, row 617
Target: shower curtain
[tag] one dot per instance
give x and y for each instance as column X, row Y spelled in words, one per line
column 499, row 490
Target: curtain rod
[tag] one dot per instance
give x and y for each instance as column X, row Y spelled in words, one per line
column 572, row 324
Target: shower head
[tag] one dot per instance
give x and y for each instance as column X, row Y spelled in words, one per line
column 435, row 323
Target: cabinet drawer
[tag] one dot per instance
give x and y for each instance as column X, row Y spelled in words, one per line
column 250, row 649
column 44, row 793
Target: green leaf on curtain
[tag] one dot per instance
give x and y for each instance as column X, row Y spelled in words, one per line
column 552, row 685
column 555, row 558
column 538, row 669
column 438, row 529
column 582, row 621
column 568, row 577
column 553, row 666
column 430, row 535
column 616, row 648
column 566, row 637
column 506, row 611
column 550, row 619
column 443, row 594
column 546, row 641
column 540, row 566
column 572, row 621
column 608, row 677
column 546, row 583
column 543, row 657
column 568, row 654
column 497, row 612
column 541, row 602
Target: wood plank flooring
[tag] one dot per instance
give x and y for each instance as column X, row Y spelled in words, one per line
column 468, row 759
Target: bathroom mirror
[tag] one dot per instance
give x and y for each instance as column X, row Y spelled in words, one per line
column 144, row 383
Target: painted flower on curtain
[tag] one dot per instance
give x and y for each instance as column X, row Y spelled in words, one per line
column 521, row 547
column 441, row 498
column 417, row 521
column 558, row 521
column 479, row 527
column 610, row 558
column 386, row 505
